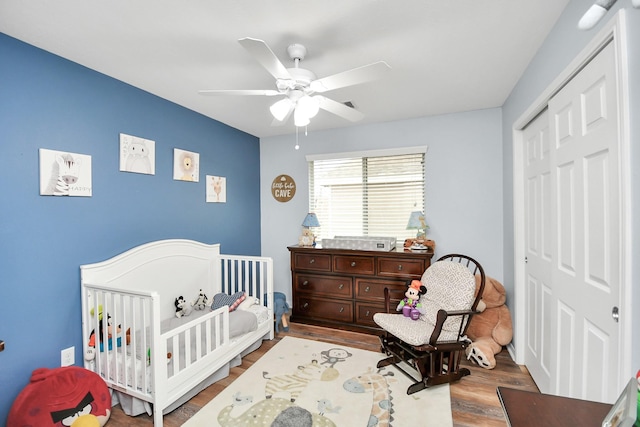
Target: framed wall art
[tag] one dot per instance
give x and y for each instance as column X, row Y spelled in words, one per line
column 64, row 174
column 137, row 155
column 283, row 188
column 216, row 189
column 186, row 165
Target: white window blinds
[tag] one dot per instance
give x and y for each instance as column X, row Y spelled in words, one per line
column 366, row 195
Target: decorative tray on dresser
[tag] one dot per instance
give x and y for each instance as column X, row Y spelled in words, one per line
column 344, row 288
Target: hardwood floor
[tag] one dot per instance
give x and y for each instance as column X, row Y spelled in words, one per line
column 474, row 401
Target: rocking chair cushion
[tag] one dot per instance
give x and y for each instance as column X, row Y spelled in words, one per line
column 450, row 286
column 414, row 332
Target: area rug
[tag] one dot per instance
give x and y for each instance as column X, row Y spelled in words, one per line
column 300, row 383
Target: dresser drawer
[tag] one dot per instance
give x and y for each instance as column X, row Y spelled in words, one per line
column 373, row 289
column 326, row 309
column 305, row 261
column 353, row 264
column 401, row 267
column 365, row 312
column 332, row 286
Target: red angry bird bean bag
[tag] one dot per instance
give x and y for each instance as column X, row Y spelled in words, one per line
column 69, row 396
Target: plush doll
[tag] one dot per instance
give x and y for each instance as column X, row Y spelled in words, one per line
column 491, row 329
column 182, row 308
column 201, row 301
column 280, row 308
column 410, row 305
column 90, row 353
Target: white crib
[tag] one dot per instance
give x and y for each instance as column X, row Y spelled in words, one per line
column 137, row 290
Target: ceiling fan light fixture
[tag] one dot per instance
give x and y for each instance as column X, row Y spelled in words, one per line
column 299, row 118
column 594, row 14
column 309, row 106
column 280, row 109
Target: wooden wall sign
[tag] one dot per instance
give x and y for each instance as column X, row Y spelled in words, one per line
column 283, row 188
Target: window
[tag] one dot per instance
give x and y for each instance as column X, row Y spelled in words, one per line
column 367, row 194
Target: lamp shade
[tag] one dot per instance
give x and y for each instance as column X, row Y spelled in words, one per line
column 280, row 109
column 309, row 106
column 591, row 17
column 416, row 221
column 311, row 220
column 299, row 118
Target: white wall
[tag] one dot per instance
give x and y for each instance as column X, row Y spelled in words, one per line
column 463, row 195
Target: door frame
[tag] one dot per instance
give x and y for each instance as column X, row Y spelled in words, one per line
column 613, row 32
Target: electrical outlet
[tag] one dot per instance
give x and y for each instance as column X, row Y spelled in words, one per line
column 67, row 356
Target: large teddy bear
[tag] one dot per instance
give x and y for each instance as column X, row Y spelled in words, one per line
column 492, row 328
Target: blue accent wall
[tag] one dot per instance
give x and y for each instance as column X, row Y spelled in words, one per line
column 49, row 102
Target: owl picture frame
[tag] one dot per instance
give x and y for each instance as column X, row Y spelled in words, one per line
column 137, row 155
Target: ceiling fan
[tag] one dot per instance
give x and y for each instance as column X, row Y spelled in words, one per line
column 299, row 87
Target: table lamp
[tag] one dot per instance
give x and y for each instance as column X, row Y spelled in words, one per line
column 307, row 238
column 417, row 222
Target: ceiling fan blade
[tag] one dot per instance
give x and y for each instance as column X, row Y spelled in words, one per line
column 263, row 92
column 265, row 56
column 339, row 109
column 352, row 77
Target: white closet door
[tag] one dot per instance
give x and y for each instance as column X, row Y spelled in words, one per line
column 573, row 250
column 539, row 251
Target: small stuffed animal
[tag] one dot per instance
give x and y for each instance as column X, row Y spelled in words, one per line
column 201, row 301
column 182, row 308
column 411, row 306
column 280, row 308
column 90, row 353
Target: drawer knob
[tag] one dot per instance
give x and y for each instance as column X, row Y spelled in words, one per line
column 312, row 260
column 341, row 309
column 367, row 289
column 366, row 314
column 353, row 263
column 341, row 286
column 399, row 267
column 305, row 283
column 305, row 305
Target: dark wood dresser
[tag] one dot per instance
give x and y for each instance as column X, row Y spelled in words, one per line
column 344, row 288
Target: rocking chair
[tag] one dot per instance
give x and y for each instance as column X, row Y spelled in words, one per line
column 434, row 343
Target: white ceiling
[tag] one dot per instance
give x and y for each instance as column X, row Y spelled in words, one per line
column 445, row 56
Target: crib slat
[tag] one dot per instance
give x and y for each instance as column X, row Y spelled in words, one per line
column 176, row 354
column 198, row 341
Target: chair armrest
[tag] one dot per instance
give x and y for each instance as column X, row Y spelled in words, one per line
column 465, row 316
